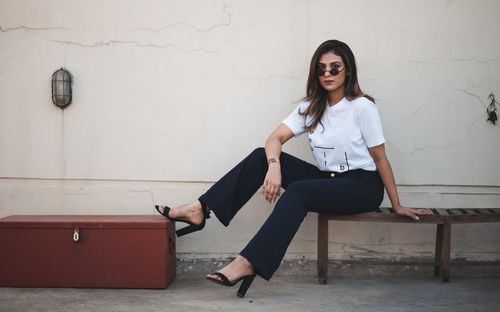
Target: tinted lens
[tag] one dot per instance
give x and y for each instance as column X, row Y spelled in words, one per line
column 334, row 71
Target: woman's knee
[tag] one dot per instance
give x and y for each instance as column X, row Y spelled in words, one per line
column 293, row 196
column 296, row 188
column 298, row 191
column 259, row 152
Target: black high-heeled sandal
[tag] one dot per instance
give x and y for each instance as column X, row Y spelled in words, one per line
column 247, row 281
column 192, row 227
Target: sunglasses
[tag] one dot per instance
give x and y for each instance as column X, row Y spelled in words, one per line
column 334, row 71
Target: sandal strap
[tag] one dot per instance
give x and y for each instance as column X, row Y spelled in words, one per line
column 166, row 211
column 224, row 278
column 204, row 209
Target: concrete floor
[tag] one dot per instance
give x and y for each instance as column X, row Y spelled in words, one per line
column 192, row 292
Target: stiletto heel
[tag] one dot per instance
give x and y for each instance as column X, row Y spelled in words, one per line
column 192, row 227
column 247, row 281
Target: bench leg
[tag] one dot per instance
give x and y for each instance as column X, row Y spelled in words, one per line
column 322, row 249
column 445, row 268
column 438, row 256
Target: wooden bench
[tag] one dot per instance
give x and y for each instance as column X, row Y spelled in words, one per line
column 444, row 218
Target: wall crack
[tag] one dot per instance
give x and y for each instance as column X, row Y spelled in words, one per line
column 419, row 149
column 30, row 28
column 187, row 25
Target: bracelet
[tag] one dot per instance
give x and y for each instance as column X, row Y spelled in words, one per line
column 272, row 160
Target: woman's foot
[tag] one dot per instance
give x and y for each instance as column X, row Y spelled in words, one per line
column 235, row 269
column 192, row 212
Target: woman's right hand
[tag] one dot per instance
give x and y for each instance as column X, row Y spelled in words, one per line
column 272, row 182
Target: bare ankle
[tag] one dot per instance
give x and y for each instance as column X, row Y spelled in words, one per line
column 198, row 205
column 245, row 262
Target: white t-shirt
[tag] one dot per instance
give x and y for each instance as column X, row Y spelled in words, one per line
column 340, row 141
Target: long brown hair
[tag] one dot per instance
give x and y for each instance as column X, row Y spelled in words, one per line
column 316, row 94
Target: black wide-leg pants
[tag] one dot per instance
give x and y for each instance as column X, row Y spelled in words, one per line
column 306, row 189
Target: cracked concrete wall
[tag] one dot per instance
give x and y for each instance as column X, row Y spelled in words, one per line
column 169, row 95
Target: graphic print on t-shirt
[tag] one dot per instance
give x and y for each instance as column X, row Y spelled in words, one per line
column 323, row 151
column 324, row 155
column 346, row 162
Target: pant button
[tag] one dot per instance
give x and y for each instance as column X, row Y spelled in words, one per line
column 332, row 174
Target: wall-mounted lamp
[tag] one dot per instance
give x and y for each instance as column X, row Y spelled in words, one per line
column 61, row 88
column 491, row 109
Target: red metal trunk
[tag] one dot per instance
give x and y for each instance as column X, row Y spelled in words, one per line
column 98, row 251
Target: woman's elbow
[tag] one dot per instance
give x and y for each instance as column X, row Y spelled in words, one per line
column 273, row 139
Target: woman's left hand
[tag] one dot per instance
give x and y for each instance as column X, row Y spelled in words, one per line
column 411, row 212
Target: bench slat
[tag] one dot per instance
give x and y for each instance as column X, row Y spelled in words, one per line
column 464, row 211
column 457, row 212
column 471, row 212
column 484, row 211
column 453, row 215
column 442, row 212
column 479, row 211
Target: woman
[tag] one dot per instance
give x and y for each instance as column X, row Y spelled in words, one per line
column 346, row 139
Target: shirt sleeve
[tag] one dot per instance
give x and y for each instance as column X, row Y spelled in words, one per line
column 295, row 121
column 370, row 125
